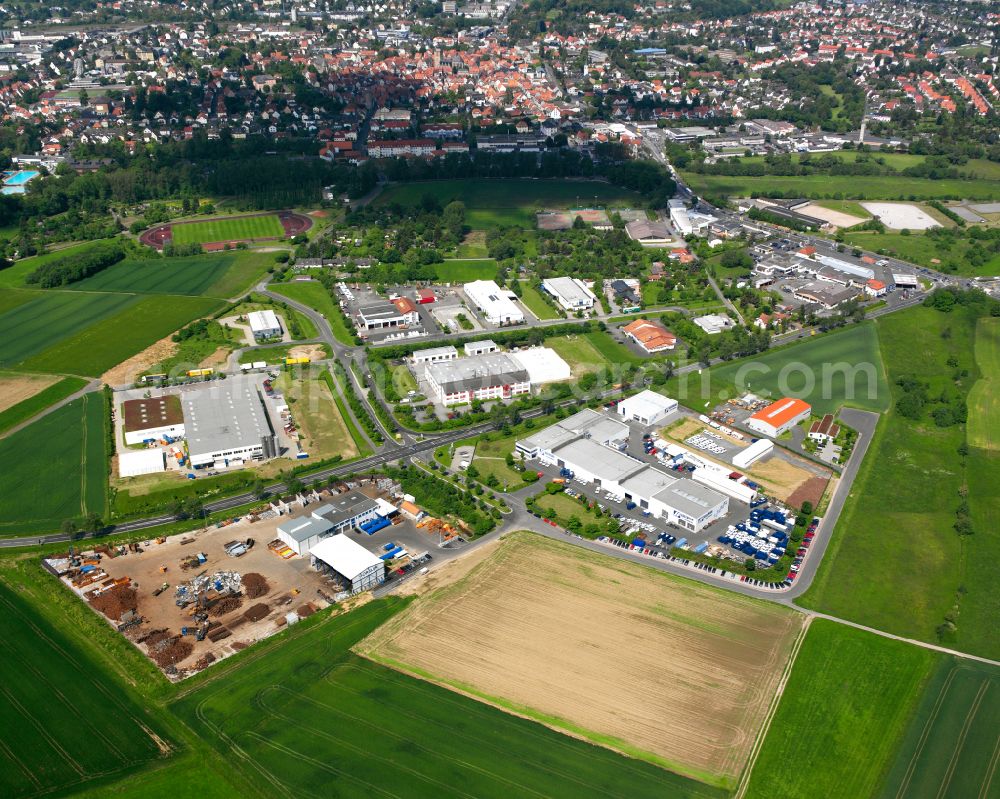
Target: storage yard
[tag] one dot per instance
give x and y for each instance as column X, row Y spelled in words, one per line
column 191, row 600
column 665, row 670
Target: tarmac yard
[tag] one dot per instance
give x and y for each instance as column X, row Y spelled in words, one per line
column 659, row 668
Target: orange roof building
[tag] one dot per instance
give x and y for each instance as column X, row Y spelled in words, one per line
column 651, row 336
column 780, row 416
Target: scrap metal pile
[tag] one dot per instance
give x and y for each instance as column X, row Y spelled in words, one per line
column 212, row 586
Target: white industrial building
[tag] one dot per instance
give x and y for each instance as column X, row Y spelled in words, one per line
column 647, row 407
column 264, row 324
column 226, row 424
column 484, row 377
column 570, row 292
column 435, row 355
column 132, row 463
column 713, row 323
column 543, row 364
column 587, row 444
column 361, row 568
column 902, row 280
column 152, row 419
column 749, row 456
column 302, row 533
column 483, row 347
column 716, row 479
column 495, row 303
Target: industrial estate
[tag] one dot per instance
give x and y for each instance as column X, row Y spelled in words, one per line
column 500, row 399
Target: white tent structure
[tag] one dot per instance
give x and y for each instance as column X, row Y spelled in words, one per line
column 133, row 463
column 543, row 364
column 350, row 560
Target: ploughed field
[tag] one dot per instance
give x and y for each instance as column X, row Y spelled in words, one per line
column 621, row 655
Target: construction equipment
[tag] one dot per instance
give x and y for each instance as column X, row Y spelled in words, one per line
column 161, row 589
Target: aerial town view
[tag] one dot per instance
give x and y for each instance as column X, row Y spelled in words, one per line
column 500, row 398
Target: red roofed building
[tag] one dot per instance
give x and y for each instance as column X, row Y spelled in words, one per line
column 651, row 336
column 875, row 288
column 779, row 416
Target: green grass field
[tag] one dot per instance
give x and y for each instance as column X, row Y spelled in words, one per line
column 536, row 303
column 311, row 718
column 13, row 276
column 238, row 228
column 841, row 716
column 579, row 352
column 951, row 746
column 186, row 776
column 459, row 270
column 217, row 274
column 65, row 724
column 841, row 368
column 492, row 203
column 895, row 561
column 50, row 395
column 855, row 187
column 96, row 348
column 984, row 398
column 318, row 298
column 54, row 317
column 924, row 250
column 276, row 354
column 974, row 168
column 54, row 469
column 12, row 298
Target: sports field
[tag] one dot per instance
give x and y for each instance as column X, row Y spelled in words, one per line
column 53, row 317
column 54, row 469
column 951, row 749
column 459, row 270
column 654, row 666
column 217, row 274
column 491, row 203
column 841, row 717
column 860, row 187
column 311, row 719
column 106, row 343
column 841, row 368
column 22, row 396
column 318, row 298
column 239, row 228
column 64, row 724
column 899, row 520
column 984, row 398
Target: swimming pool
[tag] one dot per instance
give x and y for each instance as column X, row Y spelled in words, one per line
column 19, row 178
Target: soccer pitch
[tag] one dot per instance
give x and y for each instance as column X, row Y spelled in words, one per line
column 238, row 228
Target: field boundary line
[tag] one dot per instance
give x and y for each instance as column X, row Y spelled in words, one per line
column 925, row 733
column 9, row 753
column 960, row 743
column 30, row 718
column 260, row 703
column 984, row 791
column 772, row 711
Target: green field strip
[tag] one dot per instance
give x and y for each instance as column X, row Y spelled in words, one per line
column 318, row 298
column 106, row 343
column 847, row 703
column 984, row 398
column 190, row 276
column 52, row 318
column 31, row 406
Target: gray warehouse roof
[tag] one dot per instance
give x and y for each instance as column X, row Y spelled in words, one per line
column 691, row 498
column 648, row 482
column 476, row 372
column 304, row 528
column 345, row 507
column 225, row 416
column 603, row 462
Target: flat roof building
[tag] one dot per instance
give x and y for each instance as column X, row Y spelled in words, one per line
column 340, row 513
column 779, row 416
column 152, row 418
column 382, row 315
column 596, row 426
column 435, row 355
column 570, row 292
column 713, row 323
column 543, row 365
column 264, row 324
column 647, row 407
column 494, row 303
column 483, row 377
column 483, row 347
column 133, row 463
column 227, row 422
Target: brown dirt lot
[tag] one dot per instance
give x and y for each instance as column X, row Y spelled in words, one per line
column 651, row 665
column 18, row 388
column 312, row 351
column 126, row 372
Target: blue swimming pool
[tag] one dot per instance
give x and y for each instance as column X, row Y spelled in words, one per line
column 19, row 178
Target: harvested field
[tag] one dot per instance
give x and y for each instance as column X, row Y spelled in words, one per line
column 810, row 491
column 18, row 388
column 568, row 637
column 780, row 478
column 126, row 372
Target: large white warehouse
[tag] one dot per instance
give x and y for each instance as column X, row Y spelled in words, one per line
column 646, row 407
column 588, row 455
column 570, row 292
column 494, row 302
